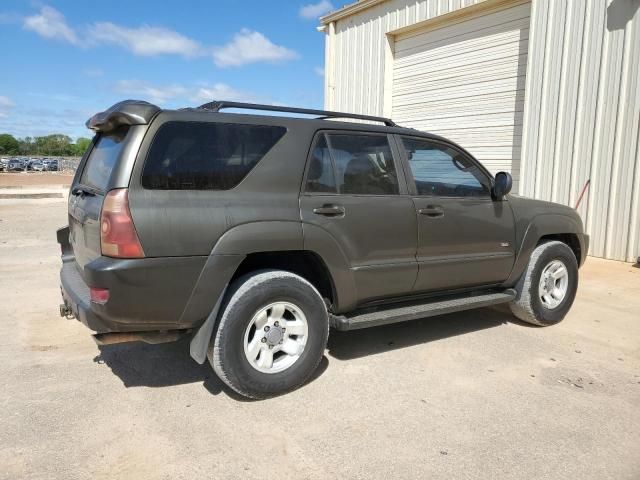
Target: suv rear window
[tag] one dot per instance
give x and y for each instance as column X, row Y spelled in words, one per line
column 206, row 156
column 102, row 159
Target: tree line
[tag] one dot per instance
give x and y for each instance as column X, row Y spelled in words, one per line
column 55, row 145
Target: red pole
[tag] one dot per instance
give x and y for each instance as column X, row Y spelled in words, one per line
column 584, row 189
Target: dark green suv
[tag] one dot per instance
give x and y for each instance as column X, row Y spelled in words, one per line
column 256, row 233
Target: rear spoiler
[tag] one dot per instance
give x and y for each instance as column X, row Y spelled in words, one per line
column 128, row 112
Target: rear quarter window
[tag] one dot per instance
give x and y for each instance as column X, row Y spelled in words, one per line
column 206, row 156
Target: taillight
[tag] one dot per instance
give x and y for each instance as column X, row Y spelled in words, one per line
column 118, row 237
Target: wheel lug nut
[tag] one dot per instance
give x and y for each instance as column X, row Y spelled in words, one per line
column 264, row 340
column 276, row 324
column 266, row 328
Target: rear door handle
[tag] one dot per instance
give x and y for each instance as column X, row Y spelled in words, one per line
column 432, row 211
column 330, row 211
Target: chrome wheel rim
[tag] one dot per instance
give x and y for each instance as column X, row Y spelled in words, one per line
column 276, row 337
column 554, row 283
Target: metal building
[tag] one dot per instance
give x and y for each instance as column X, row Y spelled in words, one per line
column 546, row 89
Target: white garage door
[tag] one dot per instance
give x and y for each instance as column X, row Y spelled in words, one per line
column 466, row 81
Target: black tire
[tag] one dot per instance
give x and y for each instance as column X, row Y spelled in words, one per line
column 528, row 305
column 246, row 296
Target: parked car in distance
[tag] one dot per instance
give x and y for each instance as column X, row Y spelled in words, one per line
column 36, row 166
column 15, row 164
column 52, row 166
column 4, row 163
column 256, row 233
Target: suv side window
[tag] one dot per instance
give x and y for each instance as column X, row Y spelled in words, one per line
column 441, row 171
column 206, row 156
column 364, row 164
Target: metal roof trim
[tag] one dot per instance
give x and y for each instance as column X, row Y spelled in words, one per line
column 349, row 10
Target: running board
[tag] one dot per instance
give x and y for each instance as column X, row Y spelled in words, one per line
column 372, row 318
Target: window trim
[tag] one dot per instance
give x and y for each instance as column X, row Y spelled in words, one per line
column 314, row 141
column 411, row 182
column 395, row 155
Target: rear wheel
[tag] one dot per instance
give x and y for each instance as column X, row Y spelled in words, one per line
column 548, row 287
column 272, row 334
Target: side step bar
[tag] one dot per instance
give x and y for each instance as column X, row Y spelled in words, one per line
column 384, row 316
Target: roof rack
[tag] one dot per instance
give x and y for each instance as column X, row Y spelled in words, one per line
column 216, row 106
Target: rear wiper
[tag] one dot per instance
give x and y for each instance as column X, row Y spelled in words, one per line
column 82, row 191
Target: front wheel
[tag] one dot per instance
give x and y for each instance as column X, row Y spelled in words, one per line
column 548, row 287
column 272, row 334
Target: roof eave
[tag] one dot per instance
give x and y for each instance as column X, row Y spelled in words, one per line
column 349, row 10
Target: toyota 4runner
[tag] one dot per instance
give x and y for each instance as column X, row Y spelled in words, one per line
column 256, row 233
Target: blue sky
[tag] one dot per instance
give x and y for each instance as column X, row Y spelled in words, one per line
column 64, row 60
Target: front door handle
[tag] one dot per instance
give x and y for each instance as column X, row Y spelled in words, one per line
column 330, row 211
column 432, row 211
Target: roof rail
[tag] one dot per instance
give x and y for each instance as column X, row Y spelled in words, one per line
column 216, row 106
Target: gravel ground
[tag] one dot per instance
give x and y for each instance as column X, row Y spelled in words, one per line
column 467, row 395
column 30, row 179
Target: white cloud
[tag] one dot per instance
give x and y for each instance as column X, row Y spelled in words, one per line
column 319, row 71
column 162, row 94
column 5, row 102
column 315, row 10
column 5, row 105
column 58, row 97
column 155, row 94
column 93, row 72
column 222, row 91
column 144, row 40
column 66, row 121
column 249, row 46
column 50, row 23
column 246, row 47
column 6, row 18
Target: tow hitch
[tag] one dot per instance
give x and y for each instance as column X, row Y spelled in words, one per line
column 66, row 311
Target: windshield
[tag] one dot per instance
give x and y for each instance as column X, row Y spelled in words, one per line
column 102, row 159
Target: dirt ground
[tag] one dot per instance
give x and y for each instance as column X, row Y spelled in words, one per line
column 31, row 179
column 463, row 396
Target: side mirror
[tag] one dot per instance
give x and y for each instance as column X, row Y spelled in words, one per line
column 502, row 185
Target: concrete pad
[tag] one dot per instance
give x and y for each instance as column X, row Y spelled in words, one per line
column 463, row 396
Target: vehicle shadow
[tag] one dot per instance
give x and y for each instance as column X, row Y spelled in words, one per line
column 371, row 341
column 139, row 364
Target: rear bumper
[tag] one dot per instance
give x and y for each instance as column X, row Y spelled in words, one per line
column 146, row 294
column 75, row 294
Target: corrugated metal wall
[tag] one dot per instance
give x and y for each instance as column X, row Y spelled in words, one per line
column 582, row 101
column 582, row 107
column 466, row 81
column 355, row 51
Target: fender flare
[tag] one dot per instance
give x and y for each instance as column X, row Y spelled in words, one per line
column 539, row 226
column 233, row 247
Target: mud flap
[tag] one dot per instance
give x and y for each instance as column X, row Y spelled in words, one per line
column 200, row 341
